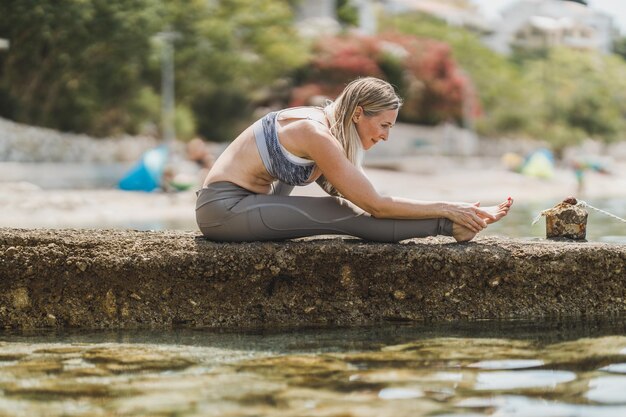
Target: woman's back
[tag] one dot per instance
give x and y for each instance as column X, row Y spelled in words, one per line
column 247, row 161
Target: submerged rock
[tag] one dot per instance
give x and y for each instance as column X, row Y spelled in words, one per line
column 135, row 359
column 419, row 377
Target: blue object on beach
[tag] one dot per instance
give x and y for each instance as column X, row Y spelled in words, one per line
column 146, row 174
column 539, row 164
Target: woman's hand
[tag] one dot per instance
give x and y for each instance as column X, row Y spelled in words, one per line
column 474, row 217
column 470, row 216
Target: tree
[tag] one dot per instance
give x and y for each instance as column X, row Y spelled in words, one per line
column 93, row 66
column 584, row 95
column 228, row 54
column 423, row 71
column 619, row 47
column 347, row 13
column 499, row 84
column 74, row 60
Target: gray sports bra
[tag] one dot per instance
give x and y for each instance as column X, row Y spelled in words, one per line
column 279, row 162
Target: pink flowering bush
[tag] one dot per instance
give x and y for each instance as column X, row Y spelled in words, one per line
column 423, row 70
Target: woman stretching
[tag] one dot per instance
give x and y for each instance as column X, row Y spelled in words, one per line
column 245, row 196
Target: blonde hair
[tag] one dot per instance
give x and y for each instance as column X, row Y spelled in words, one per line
column 374, row 96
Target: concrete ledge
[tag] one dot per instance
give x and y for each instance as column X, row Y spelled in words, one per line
column 126, row 279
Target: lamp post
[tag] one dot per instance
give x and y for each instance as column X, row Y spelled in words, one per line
column 468, row 109
column 468, row 113
column 167, row 39
column 367, row 16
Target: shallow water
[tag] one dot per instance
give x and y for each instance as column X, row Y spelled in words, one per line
column 600, row 227
column 513, row 368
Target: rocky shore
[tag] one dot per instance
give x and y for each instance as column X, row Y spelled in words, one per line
column 130, row 279
column 23, row 143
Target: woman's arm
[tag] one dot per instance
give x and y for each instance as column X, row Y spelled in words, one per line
column 356, row 187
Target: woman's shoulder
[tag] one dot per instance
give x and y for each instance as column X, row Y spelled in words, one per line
column 303, row 112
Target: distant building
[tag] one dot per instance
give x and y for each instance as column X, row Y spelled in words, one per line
column 316, row 9
column 453, row 12
column 317, row 17
column 537, row 24
column 367, row 16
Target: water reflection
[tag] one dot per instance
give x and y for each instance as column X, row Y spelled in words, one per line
column 508, row 364
column 607, row 390
column 460, row 369
column 518, row 406
column 399, row 393
column 619, row 368
column 506, row 381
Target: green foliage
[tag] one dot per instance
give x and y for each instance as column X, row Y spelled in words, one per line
column 619, row 47
column 558, row 95
column 146, row 107
column 75, row 64
column 93, row 65
column 227, row 52
column 582, row 94
column 347, row 13
column 226, row 112
column 422, row 71
column 497, row 81
column 184, row 122
column 521, row 55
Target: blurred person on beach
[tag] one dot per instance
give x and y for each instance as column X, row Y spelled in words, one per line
column 187, row 167
column 198, row 152
column 246, row 194
column 580, row 166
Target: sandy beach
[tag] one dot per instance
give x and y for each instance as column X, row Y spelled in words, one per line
column 27, row 205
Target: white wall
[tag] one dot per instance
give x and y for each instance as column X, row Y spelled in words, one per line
column 521, row 13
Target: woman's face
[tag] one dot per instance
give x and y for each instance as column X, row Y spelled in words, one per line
column 375, row 128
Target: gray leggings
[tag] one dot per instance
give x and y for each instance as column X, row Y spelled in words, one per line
column 229, row 213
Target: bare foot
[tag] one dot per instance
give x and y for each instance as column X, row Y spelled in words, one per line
column 498, row 211
column 462, row 234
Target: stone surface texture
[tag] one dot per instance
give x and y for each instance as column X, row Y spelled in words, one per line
column 566, row 220
column 131, row 279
